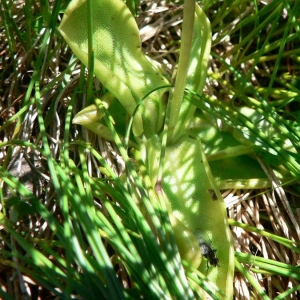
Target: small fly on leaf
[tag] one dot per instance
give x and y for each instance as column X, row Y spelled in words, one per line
column 207, row 249
column 209, row 253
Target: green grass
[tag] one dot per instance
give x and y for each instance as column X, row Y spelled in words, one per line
column 69, row 221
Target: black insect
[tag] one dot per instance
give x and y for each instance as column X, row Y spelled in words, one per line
column 209, row 253
column 206, row 248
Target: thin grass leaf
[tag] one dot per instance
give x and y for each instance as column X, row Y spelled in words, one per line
column 252, row 280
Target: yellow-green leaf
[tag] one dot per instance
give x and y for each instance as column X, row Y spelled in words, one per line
column 119, row 61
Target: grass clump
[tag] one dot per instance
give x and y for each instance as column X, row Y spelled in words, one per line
column 72, row 227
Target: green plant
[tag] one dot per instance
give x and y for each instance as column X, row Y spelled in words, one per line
column 83, row 217
column 175, row 163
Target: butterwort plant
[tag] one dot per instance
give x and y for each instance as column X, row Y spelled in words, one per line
column 104, row 35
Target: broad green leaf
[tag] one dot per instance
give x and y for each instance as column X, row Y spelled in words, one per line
column 91, row 114
column 231, row 162
column 120, row 63
column 196, row 202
